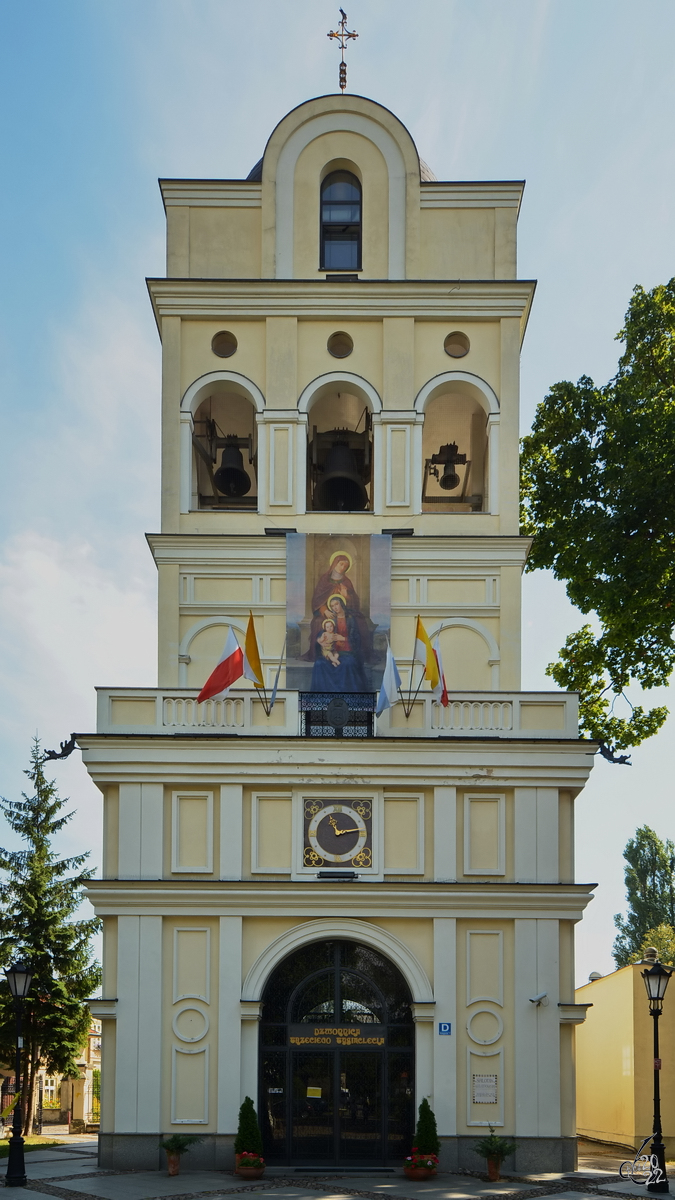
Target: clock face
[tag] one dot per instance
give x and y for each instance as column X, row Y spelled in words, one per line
column 338, row 835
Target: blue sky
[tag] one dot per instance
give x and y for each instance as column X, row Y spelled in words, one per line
column 99, row 99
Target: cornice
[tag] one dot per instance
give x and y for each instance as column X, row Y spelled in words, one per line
column 461, row 299
column 371, row 762
column 238, row 193
column 495, row 194
column 210, row 193
column 466, row 551
column 564, row 902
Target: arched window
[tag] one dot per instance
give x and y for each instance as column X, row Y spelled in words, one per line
column 340, row 222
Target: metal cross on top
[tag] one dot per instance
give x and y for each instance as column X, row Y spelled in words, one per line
column 343, row 35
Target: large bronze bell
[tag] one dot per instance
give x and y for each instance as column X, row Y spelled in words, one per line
column 449, row 457
column 449, row 479
column 341, row 487
column 231, row 479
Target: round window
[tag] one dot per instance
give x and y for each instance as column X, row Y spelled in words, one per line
column 340, row 345
column 456, row 345
column 224, row 344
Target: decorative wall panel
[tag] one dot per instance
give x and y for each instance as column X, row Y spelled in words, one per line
column 191, row 964
column 192, row 832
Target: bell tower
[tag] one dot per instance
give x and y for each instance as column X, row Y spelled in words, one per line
column 306, row 902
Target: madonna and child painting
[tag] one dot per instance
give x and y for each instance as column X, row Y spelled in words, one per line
column 338, row 611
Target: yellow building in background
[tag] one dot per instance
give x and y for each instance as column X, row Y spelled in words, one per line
column 334, row 912
column 615, row 1061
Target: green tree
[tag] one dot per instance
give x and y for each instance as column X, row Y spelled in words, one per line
column 650, row 892
column 598, row 497
column 39, row 896
column 426, row 1133
column 249, row 1137
column 663, row 939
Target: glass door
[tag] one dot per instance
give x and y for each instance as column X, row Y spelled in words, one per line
column 313, row 1110
column 360, row 1109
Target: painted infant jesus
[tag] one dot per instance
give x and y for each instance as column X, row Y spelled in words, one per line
column 327, row 641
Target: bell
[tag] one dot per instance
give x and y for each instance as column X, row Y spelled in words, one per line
column 449, row 479
column 448, row 457
column 341, row 488
column 231, row 479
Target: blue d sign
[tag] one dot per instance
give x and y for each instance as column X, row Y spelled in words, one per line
column 444, row 1027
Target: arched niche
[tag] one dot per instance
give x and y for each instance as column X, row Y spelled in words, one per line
column 362, row 162
column 459, row 444
column 219, row 443
column 339, row 409
column 470, row 654
column 202, row 645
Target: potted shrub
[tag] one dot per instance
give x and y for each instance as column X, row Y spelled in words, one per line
column 422, row 1162
column 248, row 1146
column 250, row 1165
column 177, row 1144
column 495, row 1149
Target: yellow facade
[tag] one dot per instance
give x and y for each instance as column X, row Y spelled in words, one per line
column 468, row 885
column 615, row 1061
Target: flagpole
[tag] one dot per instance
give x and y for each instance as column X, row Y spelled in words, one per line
column 276, row 680
column 416, row 693
column 407, row 708
column 264, row 698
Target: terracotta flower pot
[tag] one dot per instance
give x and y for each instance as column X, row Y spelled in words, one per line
column 493, row 1165
column 250, row 1172
column 173, row 1163
column 419, row 1172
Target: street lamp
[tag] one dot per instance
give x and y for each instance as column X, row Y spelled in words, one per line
column 19, row 977
column 656, row 982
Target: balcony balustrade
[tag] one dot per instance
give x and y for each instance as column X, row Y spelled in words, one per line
column 175, row 712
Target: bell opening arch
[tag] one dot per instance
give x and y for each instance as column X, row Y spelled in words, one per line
column 460, row 444
column 219, row 443
column 340, row 408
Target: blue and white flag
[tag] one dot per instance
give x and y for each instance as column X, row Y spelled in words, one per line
column 391, row 682
column 276, row 680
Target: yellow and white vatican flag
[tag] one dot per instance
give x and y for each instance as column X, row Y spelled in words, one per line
column 252, row 666
column 424, row 653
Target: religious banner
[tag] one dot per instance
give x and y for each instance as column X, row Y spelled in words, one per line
column 338, row 611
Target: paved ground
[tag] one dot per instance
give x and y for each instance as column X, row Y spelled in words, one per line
column 69, row 1172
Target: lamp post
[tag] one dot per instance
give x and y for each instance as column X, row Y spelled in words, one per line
column 19, row 978
column 656, row 981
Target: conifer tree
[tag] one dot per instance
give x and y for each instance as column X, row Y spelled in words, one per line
column 650, row 893
column 39, row 896
column 249, row 1137
column 426, row 1133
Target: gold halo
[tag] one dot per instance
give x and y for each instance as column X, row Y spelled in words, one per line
column 341, row 554
column 328, row 621
column 336, row 596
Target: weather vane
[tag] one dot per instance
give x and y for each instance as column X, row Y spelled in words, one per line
column 343, row 35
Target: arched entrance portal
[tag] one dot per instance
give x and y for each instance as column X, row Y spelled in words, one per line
column 337, row 1059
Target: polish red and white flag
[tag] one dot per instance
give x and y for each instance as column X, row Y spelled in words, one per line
column 230, row 667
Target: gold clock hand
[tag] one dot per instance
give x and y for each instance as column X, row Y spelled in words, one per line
column 354, row 829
